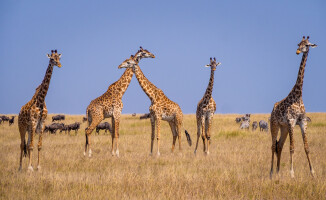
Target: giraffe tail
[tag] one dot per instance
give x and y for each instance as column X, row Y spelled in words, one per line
column 188, row 138
column 25, row 149
column 276, row 151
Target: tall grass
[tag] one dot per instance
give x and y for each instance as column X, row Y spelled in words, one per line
column 237, row 167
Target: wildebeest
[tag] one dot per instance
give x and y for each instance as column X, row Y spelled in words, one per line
column 52, row 128
column 12, row 120
column 145, row 116
column 245, row 125
column 306, row 118
column 103, row 126
column 4, row 118
column 254, row 125
column 238, row 119
column 58, row 118
column 263, row 125
column 75, row 126
column 84, row 119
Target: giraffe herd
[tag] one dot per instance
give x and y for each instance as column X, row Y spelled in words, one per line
column 285, row 115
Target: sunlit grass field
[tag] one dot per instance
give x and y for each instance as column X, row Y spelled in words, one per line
column 237, row 167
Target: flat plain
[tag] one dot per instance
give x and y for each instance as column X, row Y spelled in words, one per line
column 237, row 168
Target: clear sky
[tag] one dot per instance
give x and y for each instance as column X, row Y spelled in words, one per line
column 255, row 41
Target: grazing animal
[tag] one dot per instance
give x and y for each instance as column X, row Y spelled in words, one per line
column 162, row 108
column 75, row 126
column 33, row 114
column 206, row 108
column 5, row 118
column 245, row 125
column 288, row 112
column 238, row 119
column 134, row 115
column 110, row 105
column 145, row 116
column 0, row 120
column 12, row 120
column 263, row 125
column 254, row 125
column 58, row 118
column 104, row 126
column 64, row 128
column 52, row 128
column 84, row 119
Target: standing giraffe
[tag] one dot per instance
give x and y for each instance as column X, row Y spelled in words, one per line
column 33, row 114
column 290, row 111
column 205, row 110
column 110, row 104
column 162, row 108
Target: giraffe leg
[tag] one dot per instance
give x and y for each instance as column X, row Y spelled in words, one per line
column 172, row 126
column 95, row 121
column 30, row 144
column 153, row 132
column 22, row 131
column 208, row 125
column 280, row 144
column 198, row 132
column 39, row 145
column 116, row 120
column 178, row 131
column 303, row 126
column 203, row 133
column 158, row 130
column 291, row 125
column 274, row 133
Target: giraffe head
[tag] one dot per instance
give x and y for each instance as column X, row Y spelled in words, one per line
column 55, row 58
column 213, row 64
column 304, row 45
column 143, row 53
column 129, row 62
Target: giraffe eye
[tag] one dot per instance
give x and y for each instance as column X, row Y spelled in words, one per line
column 128, row 63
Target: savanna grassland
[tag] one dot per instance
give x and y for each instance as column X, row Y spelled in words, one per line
column 237, row 167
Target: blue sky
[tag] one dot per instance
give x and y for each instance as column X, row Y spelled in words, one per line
column 255, row 41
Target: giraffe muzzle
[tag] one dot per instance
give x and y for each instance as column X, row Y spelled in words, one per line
column 298, row 52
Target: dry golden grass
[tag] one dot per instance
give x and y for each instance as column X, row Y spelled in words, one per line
column 237, row 168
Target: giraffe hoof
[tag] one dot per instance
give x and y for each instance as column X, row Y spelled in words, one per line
column 292, row 174
column 84, row 153
column 38, row 168
column 313, row 173
column 117, row 153
column 158, row 154
column 30, row 169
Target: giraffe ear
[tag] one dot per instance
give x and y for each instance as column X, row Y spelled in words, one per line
column 312, row 45
column 218, row 64
column 207, row 65
column 59, row 55
column 48, row 55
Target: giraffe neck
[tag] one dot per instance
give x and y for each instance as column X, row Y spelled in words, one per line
column 122, row 84
column 296, row 92
column 149, row 88
column 208, row 93
column 43, row 88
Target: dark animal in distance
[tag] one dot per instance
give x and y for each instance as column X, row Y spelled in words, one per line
column 52, row 128
column 238, row 119
column 0, row 120
column 58, row 118
column 84, row 119
column 254, row 125
column 12, row 120
column 145, row 116
column 75, row 126
column 4, row 118
column 104, row 126
column 134, row 115
column 307, row 119
column 263, row 125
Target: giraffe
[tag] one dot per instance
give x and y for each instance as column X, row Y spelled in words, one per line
column 290, row 111
column 109, row 105
column 162, row 108
column 205, row 110
column 33, row 114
